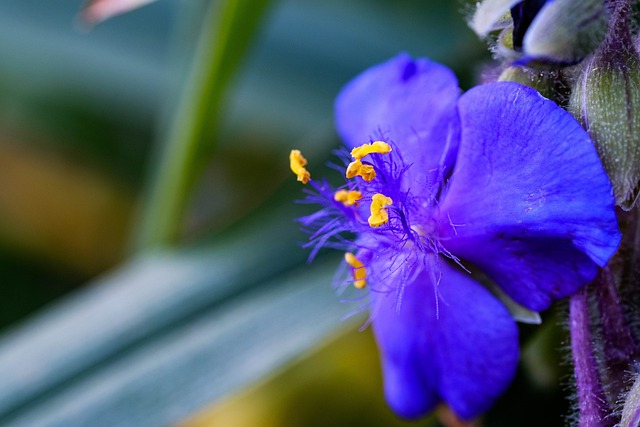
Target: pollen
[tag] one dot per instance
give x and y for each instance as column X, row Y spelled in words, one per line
column 356, row 168
column 359, row 272
column 297, row 164
column 379, row 215
column 378, row 147
column 347, row 198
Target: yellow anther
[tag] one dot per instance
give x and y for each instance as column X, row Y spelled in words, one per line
column 356, row 168
column 347, row 198
column 353, row 169
column 379, row 215
column 353, row 197
column 297, row 164
column 375, row 147
column 359, row 272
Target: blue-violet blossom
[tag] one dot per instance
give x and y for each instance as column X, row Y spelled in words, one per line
column 498, row 180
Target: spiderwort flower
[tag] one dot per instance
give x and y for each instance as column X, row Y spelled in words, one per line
column 498, row 180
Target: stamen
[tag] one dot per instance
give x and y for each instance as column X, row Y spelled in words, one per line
column 375, row 147
column 356, row 168
column 347, row 198
column 379, row 215
column 297, row 164
column 359, row 272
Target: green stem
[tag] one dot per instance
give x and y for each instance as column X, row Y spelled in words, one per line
column 228, row 29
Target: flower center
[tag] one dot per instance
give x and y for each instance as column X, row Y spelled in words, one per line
column 399, row 222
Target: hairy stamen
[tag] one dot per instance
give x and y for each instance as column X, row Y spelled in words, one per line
column 297, row 164
column 359, row 272
column 356, row 168
column 375, row 147
column 379, row 215
column 347, row 198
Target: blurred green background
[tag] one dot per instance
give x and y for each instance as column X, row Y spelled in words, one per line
column 128, row 299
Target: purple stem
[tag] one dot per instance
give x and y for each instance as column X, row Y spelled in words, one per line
column 618, row 40
column 619, row 349
column 592, row 406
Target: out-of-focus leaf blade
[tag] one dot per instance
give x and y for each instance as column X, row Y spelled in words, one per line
column 138, row 300
column 228, row 30
column 165, row 379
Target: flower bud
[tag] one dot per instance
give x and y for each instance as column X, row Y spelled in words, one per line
column 566, row 31
column 606, row 100
column 548, row 82
column 492, row 15
column 543, row 31
column 631, row 408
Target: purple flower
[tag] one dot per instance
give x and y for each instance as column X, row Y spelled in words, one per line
column 498, row 183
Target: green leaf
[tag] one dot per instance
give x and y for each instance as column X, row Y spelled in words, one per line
column 169, row 332
column 168, row 377
column 229, row 27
